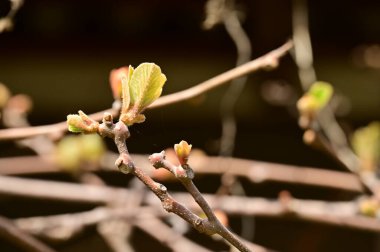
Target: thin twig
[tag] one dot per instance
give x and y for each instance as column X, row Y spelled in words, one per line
column 185, row 174
column 268, row 60
column 119, row 133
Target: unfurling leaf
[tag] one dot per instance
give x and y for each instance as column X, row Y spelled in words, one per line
column 183, row 151
column 142, row 87
column 146, row 85
column 321, row 93
column 81, row 123
column 316, row 98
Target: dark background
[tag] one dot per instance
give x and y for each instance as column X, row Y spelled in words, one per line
column 61, row 52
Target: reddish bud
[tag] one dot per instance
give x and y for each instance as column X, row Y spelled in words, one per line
column 116, row 77
column 183, row 151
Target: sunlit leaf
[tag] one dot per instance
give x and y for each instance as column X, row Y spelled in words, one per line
column 146, row 85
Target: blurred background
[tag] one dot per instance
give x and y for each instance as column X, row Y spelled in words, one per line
column 61, row 53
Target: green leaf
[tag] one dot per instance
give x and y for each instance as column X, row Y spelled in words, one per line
column 142, row 87
column 145, row 85
column 321, row 93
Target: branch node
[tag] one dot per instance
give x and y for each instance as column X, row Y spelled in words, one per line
column 108, row 119
column 167, row 204
column 162, row 188
column 125, row 164
column 184, row 172
column 157, row 159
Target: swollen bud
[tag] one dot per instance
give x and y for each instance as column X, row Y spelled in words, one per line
column 182, row 151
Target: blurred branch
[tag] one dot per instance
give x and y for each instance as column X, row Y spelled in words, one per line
column 342, row 214
column 115, row 233
column 63, row 191
column 258, row 172
column 167, row 235
column 6, row 23
column 146, row 220
column 331, row 213
column 255, row 171
column 225, row 12
column 21, row 239
column 303, row 52
column 268, row 60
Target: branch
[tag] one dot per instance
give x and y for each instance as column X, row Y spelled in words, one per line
column 164, row 234
column 117, row 231
column 21, row 239
column 270, row 59
column 119, row 133
column 221, row 11
column 49, row 190
column 231, row 205
column 6, row 23
column 185, row 175
column 255, row 171
column 258, row 172
column 341, row 214
column 146, row 219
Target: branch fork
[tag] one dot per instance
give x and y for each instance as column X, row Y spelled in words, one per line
column 119, row 133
